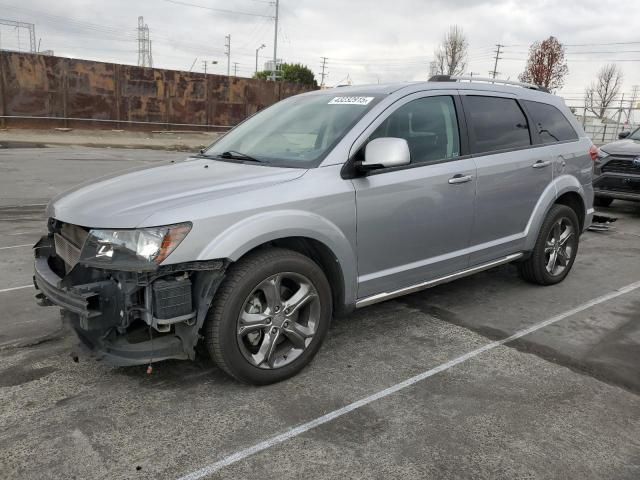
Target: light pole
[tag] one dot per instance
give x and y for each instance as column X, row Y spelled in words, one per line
column 257, row 50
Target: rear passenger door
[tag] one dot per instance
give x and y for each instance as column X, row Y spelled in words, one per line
column 558, row 138
column 511, row 174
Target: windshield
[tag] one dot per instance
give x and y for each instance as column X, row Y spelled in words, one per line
column 297, row 132
column 635, row 135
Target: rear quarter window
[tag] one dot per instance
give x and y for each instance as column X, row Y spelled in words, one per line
column 551, row 124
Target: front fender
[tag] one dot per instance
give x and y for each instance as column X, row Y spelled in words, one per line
column 560, row 185
column 261, row 228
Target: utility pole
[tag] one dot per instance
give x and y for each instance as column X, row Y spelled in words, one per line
column 235, row 69
column 227, row 52
column 323, row 74
column 204, row 65
column 495, row 64
column 275, row 43
column 257, row 50
column 619, row 115
column 634, row 97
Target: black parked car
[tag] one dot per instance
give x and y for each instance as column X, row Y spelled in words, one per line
column 617, row 170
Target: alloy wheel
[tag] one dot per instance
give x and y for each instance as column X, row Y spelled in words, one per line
column 559, row 246
column 278, row 320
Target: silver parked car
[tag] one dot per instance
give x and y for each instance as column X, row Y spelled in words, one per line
column 325, row 202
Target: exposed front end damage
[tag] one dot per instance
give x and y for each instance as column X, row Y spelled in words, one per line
column 125, row 317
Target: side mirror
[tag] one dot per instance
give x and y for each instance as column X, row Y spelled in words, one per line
column 386, row 152
column 622, row 135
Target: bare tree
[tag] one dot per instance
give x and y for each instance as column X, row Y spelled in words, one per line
column 451, row 55
column 603, row 91
column 546, row 65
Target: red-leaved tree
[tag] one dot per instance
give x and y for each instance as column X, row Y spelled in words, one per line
column 546, row 65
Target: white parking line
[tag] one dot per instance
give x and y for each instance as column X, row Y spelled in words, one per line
column 15, row 288
column 305, row 427
column 17, row 246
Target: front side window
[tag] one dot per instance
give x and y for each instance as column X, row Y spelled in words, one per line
column 635, row 135
column 551, row 124
column 297, row 132
column 496, row 123
column 430, row 127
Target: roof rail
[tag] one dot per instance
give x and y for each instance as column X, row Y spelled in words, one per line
column 451, row 78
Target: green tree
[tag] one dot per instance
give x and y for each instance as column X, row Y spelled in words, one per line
column 292, row 72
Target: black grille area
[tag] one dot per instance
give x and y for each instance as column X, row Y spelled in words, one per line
column 619, row 165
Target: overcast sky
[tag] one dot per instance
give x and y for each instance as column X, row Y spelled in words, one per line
column 366, row 41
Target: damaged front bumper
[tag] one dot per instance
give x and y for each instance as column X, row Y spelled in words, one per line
column 129, row 318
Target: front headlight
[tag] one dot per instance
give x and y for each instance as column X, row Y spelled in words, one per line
column 133, row 250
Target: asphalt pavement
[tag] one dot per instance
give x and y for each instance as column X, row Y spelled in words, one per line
column 486, row 377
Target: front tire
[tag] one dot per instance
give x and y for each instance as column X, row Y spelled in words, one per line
column 269, row 316
column 555, row 249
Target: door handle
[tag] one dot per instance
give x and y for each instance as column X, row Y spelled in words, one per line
column 459, row 178
column 541, row 164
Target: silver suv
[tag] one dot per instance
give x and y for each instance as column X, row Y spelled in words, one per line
column 325, row 202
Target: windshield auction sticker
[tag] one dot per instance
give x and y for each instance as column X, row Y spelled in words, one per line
column 350, row 100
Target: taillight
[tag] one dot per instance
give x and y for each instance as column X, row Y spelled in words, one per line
column 593, row 152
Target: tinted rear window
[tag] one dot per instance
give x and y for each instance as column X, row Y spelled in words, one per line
column 496, row 124
column 551, row 124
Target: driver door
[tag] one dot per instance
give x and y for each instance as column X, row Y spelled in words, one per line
column 414, row 222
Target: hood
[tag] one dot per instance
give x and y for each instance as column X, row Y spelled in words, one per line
column 623, row 147
column 125, row 200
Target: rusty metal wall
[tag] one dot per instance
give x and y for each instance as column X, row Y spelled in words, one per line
column 48, row 86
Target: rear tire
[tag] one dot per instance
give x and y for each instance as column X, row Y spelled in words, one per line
column 555, row 249
column 269, row 317
column 602, row 201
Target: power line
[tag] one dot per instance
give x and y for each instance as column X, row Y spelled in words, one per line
column 220, row 10
column 599, row 44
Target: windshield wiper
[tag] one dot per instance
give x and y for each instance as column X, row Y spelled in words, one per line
column 232, row 154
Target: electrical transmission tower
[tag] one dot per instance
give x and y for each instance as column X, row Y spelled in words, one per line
column 145, row 58
column 29, row 26
column 494, row 72
column 323, row 74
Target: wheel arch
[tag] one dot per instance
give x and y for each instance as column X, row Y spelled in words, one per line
column 564, row 190
column 574, row 201
column 326, row 260
column 306, row 233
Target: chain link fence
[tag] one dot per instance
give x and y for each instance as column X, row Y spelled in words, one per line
column 606, row 129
